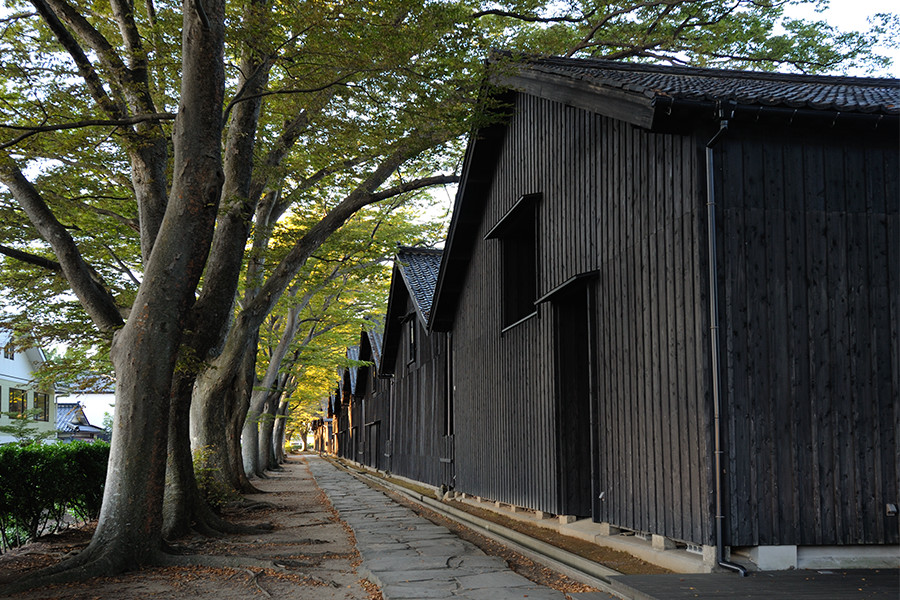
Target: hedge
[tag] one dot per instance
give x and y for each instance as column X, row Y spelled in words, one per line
column 41, row 483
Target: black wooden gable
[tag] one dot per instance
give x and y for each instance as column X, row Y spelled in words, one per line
column 657, row 98
column 369, row 352
column 478, row 171
column 415, row 275
column 353, row 357
column 370, row 346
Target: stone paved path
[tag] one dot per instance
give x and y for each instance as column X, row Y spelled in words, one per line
column 411, row 558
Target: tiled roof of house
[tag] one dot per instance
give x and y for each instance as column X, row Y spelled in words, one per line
column 70, row 415
column 818, row 92
column 420, row 268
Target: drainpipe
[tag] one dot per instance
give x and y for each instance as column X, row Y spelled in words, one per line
column 714, row 338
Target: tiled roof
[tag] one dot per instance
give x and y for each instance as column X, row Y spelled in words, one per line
column 376, row 338
column 65, row 413
column 353, row 354
column 420, row 268
column 818, row 92
column 70, row 415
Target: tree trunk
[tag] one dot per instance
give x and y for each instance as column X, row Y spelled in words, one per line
column 280, row 429
column 250, row 443
column 208, row 422
column 144, row 351
column 266, row 433
column 181, row 492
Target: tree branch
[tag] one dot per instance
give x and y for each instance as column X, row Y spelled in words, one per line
column 586, row 40
column 126, row 221
column 119, row 122
column 416, row 184
column 363, row 195
column 110, row 106
column 38, row 261
column 123, row 268
column 95, row 299
column 131, row 83
column 528, row 18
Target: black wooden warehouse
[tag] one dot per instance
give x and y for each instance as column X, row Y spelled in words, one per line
column 420, row 442
column 571, row 356
column 371, row 396
column 576, row 283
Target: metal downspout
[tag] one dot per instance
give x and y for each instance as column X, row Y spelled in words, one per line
column 714, row 341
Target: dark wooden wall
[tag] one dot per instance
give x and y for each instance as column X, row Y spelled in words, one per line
column 378, row 423
column 375, row 397
column 417, row 394
column 344, row 419
column 810, row 284
column 808, row 251
column 626, row 205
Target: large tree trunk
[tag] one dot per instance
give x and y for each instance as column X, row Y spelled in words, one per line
column 185, row 508
column 209, row 421
column 250, row 443
column 266, row 433
column 280, row 429
column 144, row 351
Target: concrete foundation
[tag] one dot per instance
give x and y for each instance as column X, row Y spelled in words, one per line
column 661, row 542
column 780, row 558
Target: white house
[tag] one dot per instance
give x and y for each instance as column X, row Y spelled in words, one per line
column 18, row 391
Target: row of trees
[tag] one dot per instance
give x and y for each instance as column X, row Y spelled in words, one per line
column 171, row 172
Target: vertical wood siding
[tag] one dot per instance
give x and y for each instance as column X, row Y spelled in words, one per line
column 809, row 280
column 623, row 203
column 378, row 421
column 418, row 396
column 808, row 252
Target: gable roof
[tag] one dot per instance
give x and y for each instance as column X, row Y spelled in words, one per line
column 645, row 95
column 33, row 357
column 369, row 352
column 654, row 97
column 415, row 276
column 351, row 370
column 419, row 268
column 375, row 339
column 70, row 416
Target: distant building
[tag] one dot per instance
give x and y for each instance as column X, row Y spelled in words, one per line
column 73, row 424
column 18, row 391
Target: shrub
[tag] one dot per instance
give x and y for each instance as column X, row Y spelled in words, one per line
column 40, row 484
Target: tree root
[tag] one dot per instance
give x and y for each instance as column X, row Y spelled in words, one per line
column 90, row 563
column 244, row 505
column 218, row 562
column 254, row 577
column 106, row 564
column 208, row 523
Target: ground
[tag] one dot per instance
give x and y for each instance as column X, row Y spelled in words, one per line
column 310, row 553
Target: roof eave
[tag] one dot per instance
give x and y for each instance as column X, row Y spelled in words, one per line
column 482, row 153
column 389, row 346
column 631, row 107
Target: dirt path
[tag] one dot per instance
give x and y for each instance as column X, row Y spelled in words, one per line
column 312, row 553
